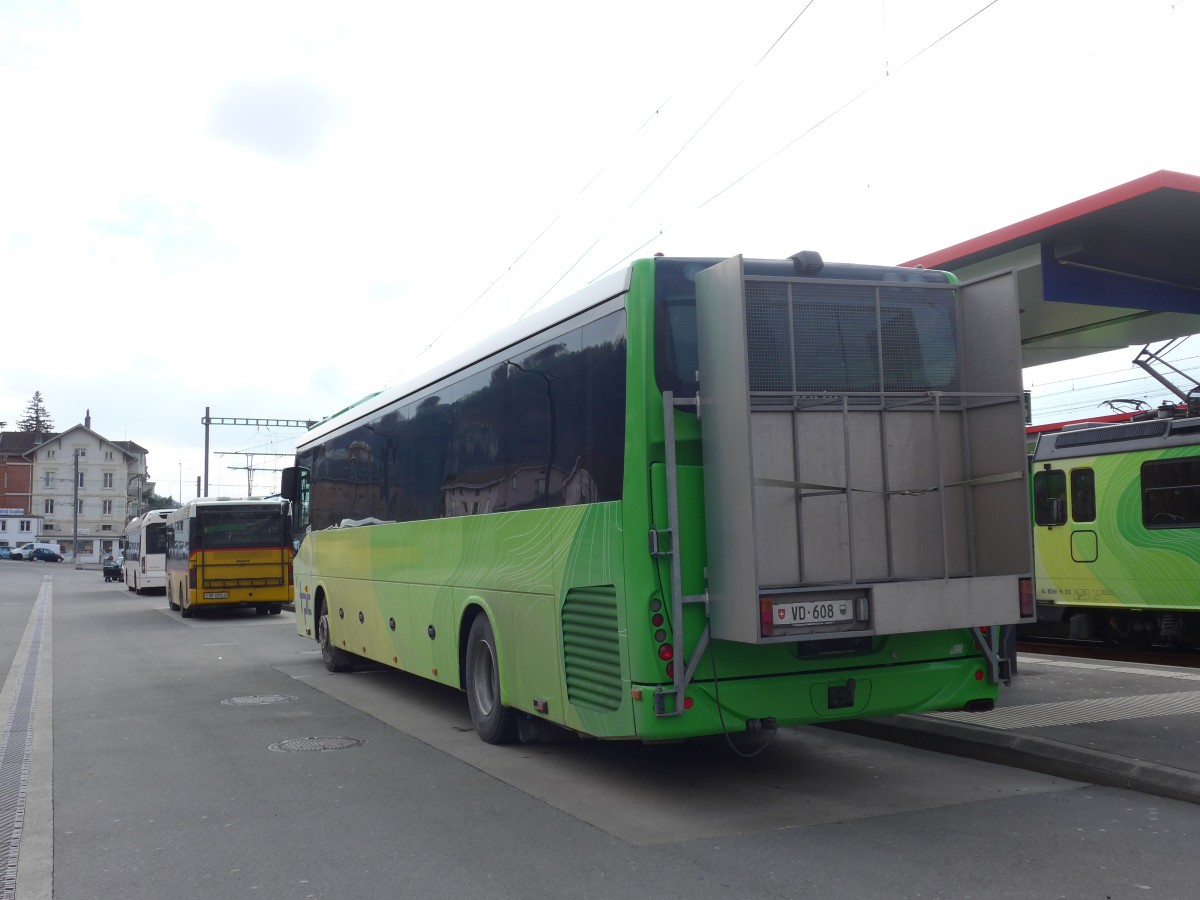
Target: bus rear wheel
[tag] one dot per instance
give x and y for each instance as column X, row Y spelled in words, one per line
column 335, row 658
column 494, row 722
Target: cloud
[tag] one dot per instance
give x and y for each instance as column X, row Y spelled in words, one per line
column 283, row 119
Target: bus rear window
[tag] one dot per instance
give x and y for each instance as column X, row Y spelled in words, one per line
column 833, row 334
column 234, row 528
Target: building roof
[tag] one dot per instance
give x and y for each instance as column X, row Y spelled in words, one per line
column 1109, row 271
column 21, row 443
column 18, row 443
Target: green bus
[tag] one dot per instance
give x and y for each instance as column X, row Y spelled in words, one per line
column 1116, row 530
column 700, row 496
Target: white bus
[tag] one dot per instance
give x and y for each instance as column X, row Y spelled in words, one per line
column 146, row 551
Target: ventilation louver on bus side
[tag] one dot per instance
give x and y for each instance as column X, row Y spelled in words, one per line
column 591, row 649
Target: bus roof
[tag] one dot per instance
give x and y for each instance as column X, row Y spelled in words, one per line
column 189, row 508
column 610, row 286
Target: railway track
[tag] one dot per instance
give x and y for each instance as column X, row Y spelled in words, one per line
column 1157, row 656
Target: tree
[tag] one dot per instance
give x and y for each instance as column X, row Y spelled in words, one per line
column 36, row 418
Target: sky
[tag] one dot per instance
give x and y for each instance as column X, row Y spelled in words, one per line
column 271, row 209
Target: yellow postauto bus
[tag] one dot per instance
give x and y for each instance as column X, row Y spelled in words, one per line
column 229, row 553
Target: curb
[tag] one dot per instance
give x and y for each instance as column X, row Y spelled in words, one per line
column 1024, row 752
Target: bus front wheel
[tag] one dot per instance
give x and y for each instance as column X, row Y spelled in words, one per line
column 494, row 722
column 335, row 658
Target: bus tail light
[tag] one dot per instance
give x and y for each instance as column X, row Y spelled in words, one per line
column 666, row 652
column 766, row 624
column 1027, row 608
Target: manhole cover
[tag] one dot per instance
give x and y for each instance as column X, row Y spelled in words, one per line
column 257, row 700
column 317, row 743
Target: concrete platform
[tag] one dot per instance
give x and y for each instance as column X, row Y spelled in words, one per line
column 1116, row 724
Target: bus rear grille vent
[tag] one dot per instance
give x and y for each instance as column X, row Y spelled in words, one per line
column 243, row 582
column 591, row 649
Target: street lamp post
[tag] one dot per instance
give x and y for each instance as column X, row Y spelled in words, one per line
column 75, row 514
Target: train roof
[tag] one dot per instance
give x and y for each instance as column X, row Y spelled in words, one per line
column 1125, row 437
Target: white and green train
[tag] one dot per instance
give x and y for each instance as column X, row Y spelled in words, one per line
column 1116, row 530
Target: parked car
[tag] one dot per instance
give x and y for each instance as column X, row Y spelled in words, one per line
column 5, row 553
column 25, row 551
column 45, row 555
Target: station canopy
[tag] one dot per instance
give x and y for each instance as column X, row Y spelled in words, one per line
column 1116, row 269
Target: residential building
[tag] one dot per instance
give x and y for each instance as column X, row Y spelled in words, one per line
column 75, row 483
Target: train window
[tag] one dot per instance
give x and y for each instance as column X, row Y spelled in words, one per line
column 1171, row 493
column 1083, row 495
column 1050, row 497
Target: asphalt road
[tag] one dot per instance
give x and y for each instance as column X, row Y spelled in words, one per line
column 158, row 779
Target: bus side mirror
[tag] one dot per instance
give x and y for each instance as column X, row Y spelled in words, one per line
column 289, row 485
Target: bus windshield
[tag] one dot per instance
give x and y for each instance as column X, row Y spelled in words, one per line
column 239, row 528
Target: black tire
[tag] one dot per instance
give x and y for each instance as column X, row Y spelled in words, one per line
column 335, row 658
column 260, row 610
column 494, row 722
column 275, row 609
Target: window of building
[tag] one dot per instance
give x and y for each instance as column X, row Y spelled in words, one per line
column 108, row 479
column 49, row 454
column 26, row 525
column 48, row 506
column 1050, row 497
column 3, row 524
column 107, row 507
column 81, row 479
column 50, row 478
column 108, row 455
column 79, row 507
column 1083, row 495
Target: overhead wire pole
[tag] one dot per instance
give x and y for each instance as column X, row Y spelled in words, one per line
column 208, row 421
column 250, row 468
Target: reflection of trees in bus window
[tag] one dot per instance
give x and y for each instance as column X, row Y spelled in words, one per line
column 484, row 442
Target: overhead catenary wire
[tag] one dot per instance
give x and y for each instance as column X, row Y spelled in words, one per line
column 808, row 131
column 554, row 221
column 670, row 162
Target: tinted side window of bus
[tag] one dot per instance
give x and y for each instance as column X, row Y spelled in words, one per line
column 1050, row 497
column 1171, row 493
column 540, row 425
column 1083, row 495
